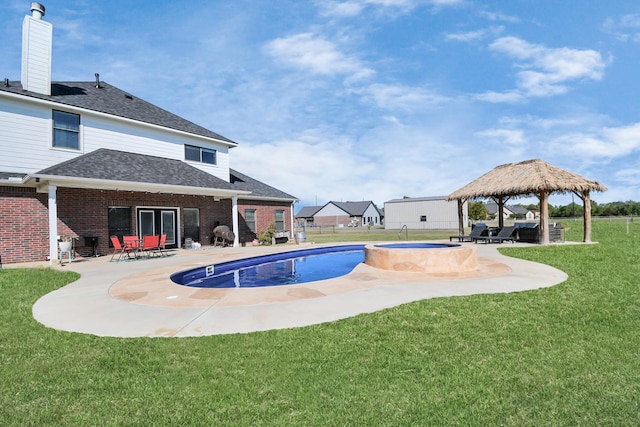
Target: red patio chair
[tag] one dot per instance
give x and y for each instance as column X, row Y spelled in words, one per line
column 150, row 244
column 118, row 249
column 161, row 248
column 131, row 244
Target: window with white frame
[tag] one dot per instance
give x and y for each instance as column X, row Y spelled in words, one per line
column 66, row 130
column 279, row 220
column 199, row 154
column 250, row 219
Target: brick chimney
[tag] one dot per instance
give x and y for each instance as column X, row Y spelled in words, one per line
column 37, row 36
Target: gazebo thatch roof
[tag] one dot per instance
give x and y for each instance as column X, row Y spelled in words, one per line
column 525, row 178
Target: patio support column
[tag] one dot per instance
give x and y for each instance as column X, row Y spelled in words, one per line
column 53, row 224
column 234, row 215
column 544, row 218
column 586, row 200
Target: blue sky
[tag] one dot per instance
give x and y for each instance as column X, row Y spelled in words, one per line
column 372, row 99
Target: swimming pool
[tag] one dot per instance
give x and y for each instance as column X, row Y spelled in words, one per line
column 285, row 268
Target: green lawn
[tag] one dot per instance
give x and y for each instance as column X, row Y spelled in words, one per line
column 566, row 355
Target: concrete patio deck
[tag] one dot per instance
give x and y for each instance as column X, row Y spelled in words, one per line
column 137, row 298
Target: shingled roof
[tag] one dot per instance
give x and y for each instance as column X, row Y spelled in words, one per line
column 111, row 100
column 240, row 181
column 105, row 164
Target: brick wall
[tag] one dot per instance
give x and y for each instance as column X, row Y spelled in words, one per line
column 265, row 215
column 24, row 220
column 330, row 221
column 24, row 225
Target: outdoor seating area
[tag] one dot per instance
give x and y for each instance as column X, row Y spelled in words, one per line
column 133, row 247
column 524, row 232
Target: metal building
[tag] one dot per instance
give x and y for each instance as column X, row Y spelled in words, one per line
column 423, row 213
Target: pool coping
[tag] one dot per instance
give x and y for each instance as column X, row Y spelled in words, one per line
column 134, row 299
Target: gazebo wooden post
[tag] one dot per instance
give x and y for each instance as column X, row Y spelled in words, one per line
column 544, row 218
column 586, row 200
column 500, row 212
column 460, row 217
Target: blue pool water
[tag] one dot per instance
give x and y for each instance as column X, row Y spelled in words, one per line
column 277, row 269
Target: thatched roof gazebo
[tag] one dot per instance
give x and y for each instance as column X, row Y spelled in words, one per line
column 530, row 177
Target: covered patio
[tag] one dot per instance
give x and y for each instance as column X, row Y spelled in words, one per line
column 526, row 178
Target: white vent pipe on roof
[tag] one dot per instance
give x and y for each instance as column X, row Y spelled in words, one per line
column 37, row 10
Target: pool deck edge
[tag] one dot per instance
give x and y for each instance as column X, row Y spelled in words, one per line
column 137, row 298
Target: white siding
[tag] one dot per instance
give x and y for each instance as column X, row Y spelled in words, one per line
column 330, row 210
column 371, row 212
column 37, row 37
column 26, row 129
column 440, row 214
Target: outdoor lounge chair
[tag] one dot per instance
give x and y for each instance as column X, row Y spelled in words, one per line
column 476, row 232
column 150, row 244
column 505, row 234
column 161, row 249
column 119, row 249
column 131, row 245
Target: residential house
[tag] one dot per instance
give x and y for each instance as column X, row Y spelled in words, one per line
column 510, row 212
column 423, row 213
column 89, row 160
column 341, row 214
column 305, row 217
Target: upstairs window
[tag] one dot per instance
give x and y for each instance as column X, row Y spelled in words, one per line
column 199, row 154
column 66, row 130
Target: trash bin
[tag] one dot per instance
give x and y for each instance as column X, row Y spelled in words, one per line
column 300, row 237
column 188, row 243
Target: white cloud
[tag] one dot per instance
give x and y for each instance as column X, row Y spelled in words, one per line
column 610, row 142
column 624, row 27
column 505, row 136
column 399, row 97
column 350, row 8
column 545, row 71
column 474, row 35
column 316, row 54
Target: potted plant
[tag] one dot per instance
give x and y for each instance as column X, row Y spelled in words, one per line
column 66, row 242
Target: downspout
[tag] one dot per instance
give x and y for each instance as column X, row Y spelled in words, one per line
column 293, row 230
column 234, row 216
column 53, row 224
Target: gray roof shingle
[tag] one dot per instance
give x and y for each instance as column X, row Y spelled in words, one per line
column 111, row 100
column 105, row 164
column 308, row 211
column 240, row 181
column 354, row 208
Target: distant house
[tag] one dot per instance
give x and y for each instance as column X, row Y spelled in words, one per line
column 419, row 213
column 340, row 214
column 510, row 211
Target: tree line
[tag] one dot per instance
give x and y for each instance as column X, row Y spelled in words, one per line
column 478, row 210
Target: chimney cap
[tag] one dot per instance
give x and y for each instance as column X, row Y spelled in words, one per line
column 37, row 9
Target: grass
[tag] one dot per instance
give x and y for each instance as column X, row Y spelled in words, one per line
column 566, row 355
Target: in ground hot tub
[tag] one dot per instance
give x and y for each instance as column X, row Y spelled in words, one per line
column 422, row 257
